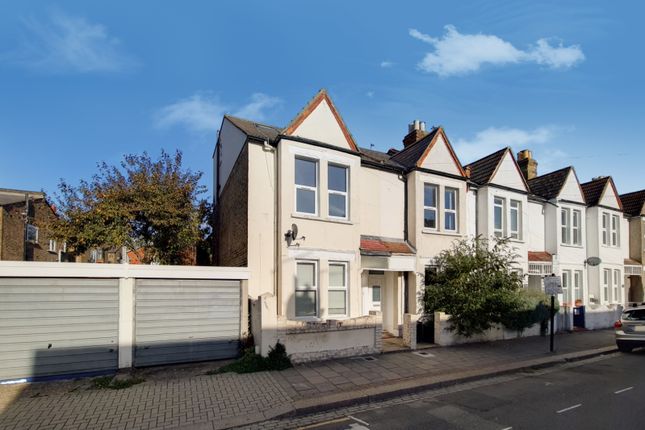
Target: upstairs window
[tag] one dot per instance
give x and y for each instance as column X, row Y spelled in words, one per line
column 337, row 289
column 306, row 289
column 450, row 209
column 337, row 185
column 499, row 209
column 430, row 206
column 516, row 219
column 565, row 214
column 576, row 227
column 605, row 228
column 306, row 186
column 615, row 230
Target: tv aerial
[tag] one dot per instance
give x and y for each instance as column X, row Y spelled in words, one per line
column 292, row 235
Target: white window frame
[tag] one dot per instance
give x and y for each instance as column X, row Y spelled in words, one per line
column 576, row 227
column 306, row 187
column 53, row 245
column 515, row 234
column 315, row 288
column 615, row 231
column 434, row 208
column 454, row 211
column 344, row 288
column 64, row 247
column 345, row 194
column 32, row 233
column 605, row 228
column 615, row 286
column 499, row 232
column 606, row 283
column 577, row 286
column 566, row 286
column 565, row 230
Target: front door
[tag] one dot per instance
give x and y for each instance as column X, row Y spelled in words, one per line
column 372, row 293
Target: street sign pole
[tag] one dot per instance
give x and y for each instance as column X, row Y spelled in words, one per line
column 552, row 319
column 552, row 286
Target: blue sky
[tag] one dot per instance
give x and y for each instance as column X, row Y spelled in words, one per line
column 82, row 82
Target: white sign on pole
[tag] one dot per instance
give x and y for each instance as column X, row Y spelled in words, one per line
column 552, row 285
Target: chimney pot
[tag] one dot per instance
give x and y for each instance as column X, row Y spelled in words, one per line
column 416, row 132
column 528, row 165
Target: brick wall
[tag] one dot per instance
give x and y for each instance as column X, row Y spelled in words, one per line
column 13, row 230
column 231, row 217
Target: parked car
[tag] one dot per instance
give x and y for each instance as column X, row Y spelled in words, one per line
column 630, row 329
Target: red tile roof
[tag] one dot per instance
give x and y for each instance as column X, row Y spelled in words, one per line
column 375, row 245
column 540, row 256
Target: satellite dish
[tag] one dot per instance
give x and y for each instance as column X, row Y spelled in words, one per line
column 593, row 261
column 294, row 231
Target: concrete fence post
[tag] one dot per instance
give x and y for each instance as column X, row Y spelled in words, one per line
column 126, row 322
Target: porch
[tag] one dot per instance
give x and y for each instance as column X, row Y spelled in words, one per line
column 635, row 295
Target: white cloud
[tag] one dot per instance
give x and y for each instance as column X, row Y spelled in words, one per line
column 386, row 64
column 202, row 112
column 256, row 107
column 370, row 94
column 66, row 43
column 492, row 139
column 458, row 54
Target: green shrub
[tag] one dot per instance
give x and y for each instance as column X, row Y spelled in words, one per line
column 251, row 362
column 533, row 307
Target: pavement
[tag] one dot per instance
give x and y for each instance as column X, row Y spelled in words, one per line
column 600, row 393
column 185, row 397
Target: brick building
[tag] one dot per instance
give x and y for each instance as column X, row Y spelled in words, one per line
column 24, row 232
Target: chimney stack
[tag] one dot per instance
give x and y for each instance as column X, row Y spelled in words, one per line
column 527, row 164
column 416, row 132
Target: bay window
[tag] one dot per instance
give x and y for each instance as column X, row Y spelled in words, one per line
column 615, row 232
column 606, row 280
column 306, row 289
column 616, row 285
column 337, row 290
column 337, row 187
column 430, row 206
column 605, row 228
column 577, row 285
column 450, row 209
column 499, row 209
column 516, row 214
column 566, row 227
column 566, row 286
column 571, row 224
column 306, row 178
column 576, row 227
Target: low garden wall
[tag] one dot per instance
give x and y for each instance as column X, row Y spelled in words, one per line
column 314, row 340
column 444, row 336
column 601, row 316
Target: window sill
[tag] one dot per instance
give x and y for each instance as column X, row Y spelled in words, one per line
column 566, row 245
column 440, row 232
column 318, row 218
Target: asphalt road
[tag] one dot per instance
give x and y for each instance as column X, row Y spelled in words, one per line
column 602, row 394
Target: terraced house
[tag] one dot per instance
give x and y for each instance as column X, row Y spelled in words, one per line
column 338, row 238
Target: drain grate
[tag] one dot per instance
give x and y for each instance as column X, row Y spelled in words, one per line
column 367, row 358
column 423, row 354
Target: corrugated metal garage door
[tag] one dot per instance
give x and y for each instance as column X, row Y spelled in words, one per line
column 186, row 320
column 57, row 326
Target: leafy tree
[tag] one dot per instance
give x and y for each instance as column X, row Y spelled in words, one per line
column 474, row 284
column 142, row 204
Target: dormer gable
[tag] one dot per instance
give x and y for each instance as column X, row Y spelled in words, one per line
column 609, row 196
column 571, row 190
column 508, row 173
column 440, row 156
column 320, row 121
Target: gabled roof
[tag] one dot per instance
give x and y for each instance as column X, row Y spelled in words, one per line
column 633, row 202
column 310, row 107
column 9, row 196
column 483, row 170
column 255, row 129
column 549, row 185
column 413, row 155
column 594, row 189
column 382, row 246
column 410, row 155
